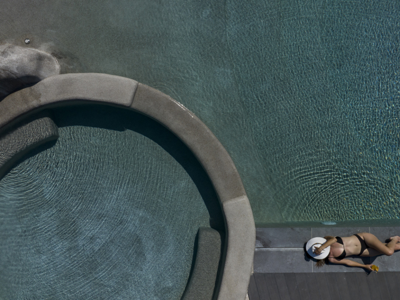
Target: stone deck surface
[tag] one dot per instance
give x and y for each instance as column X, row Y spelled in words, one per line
column 281, row 270
column 326, row 286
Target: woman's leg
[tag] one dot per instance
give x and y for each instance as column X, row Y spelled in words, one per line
column 381, row 248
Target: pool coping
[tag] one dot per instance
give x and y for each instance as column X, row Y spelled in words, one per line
column 78, row 88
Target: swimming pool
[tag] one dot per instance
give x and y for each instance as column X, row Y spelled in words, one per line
column 220, row 259
column 303, row 94
column 105, row 208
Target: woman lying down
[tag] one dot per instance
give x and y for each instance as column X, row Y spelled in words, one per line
column 335, row 249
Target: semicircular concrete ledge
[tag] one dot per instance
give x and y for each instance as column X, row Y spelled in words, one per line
column 61, row 90
column 26, row 137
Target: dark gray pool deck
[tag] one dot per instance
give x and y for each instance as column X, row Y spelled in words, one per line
column 281, row 270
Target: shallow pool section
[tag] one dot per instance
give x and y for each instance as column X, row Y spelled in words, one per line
column 110, row 211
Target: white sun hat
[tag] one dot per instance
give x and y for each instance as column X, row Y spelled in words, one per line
column 317, row 242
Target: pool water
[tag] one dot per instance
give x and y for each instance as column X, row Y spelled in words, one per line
column 320, row 108
column 110, row 211
column 303, row 94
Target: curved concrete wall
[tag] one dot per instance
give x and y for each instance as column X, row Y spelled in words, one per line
column 203, row 277
column 113, row 90
column 15, row 143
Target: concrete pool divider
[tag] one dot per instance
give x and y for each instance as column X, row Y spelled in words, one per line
column 69, row 89
column 19, row 141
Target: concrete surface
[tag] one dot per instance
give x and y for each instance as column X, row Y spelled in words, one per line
column 280, row 250
column 317, row 286
column 73, row 88
column 196, row 135
column 15, row 143
column 203, row 277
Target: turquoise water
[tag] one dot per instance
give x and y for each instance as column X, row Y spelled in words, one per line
column 303, row 94
column 322, row 115
column 110, row 211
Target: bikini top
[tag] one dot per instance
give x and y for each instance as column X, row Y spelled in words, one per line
column 343, row 255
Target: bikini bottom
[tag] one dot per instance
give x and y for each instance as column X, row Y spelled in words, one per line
column 363, row 244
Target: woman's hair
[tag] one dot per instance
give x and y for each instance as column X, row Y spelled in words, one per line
column 321, row 262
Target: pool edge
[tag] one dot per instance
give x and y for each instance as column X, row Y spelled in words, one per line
column 58, row 90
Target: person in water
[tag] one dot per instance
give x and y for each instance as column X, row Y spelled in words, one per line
column 335, row 249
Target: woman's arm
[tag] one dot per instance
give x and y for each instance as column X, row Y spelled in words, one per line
column 329, row 242
column 349, row 263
